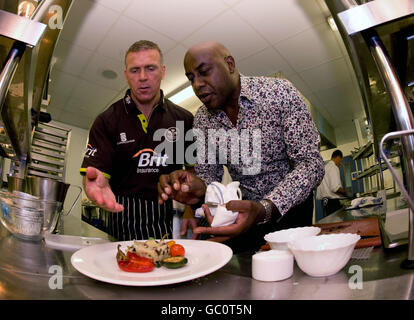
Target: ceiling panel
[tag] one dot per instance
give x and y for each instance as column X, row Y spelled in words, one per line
column 264, row 63
column 298, row 82
column 316, row 102
column 174, row 67
column 73, row 118
column 231, row 2
column 97, row 65
column 90, row 110
column 118, row 5
column 58, row 100
column 326, row 75
column 280, row 19
column 71, row 58
column 238, row 36
column 92, row 93
column 345, row 133
column 120, row 38
column 177, row 19
column 55, row 112
column 62, row 83
column 87, row 23
column 340, row 100
column 319, row 43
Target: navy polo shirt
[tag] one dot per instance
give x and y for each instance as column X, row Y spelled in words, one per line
column 133, row 152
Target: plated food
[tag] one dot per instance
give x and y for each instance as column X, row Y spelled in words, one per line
column 145, row 256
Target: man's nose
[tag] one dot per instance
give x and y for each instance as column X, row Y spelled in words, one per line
column 198, row 83
column 142, row 75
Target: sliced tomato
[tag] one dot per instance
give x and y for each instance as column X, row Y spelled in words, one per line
column 134, row 256
column 177, row 250
column 132, row 266
column 131, row 262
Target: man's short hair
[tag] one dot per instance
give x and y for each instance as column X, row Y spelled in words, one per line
column 144, row 45
column 337, row 153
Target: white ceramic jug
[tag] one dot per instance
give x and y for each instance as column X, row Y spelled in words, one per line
column 217, row 193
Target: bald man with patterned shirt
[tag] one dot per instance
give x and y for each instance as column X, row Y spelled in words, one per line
column 279, row 180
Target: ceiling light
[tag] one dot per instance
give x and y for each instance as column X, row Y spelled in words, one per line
column 25, row 9
column 109, row 74
column 332, row 23
column 182, row 95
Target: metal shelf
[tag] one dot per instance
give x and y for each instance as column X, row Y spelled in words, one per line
column 372, row 171
column 365, row 152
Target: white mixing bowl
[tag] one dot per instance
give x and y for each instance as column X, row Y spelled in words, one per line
column 325, row 255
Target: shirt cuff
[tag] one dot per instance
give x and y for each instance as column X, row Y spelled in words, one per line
column 82, row 171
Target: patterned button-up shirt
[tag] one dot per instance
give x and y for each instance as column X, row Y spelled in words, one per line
column 273, row 151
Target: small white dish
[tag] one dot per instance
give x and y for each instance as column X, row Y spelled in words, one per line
column 273, row 265
column 279, row 240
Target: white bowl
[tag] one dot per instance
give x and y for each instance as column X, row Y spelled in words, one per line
column 325, row 255
column 278, row 240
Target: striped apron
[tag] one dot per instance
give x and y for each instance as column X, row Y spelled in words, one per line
column 141, row 219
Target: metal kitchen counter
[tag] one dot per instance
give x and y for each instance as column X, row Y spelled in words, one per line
column 25, row 275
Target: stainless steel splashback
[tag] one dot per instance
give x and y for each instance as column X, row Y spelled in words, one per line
column 393, row 35
column 379, row 37
column 26, row 63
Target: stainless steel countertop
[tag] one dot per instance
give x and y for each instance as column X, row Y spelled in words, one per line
column 25, row 275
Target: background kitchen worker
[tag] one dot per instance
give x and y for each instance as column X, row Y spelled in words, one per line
column 330, row 190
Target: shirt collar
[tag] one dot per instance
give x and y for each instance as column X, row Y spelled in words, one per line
column 246, row 90
column 131, row 106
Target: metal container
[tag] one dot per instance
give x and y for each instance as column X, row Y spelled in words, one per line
column 53, row 191
column 16, row 184
column 25, row 207
column 23, row 221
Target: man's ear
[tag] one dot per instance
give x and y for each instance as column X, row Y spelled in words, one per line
column 231, row 63
column 163, row 72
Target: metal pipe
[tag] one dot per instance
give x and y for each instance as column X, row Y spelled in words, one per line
column 9, row 68
column 403, row 116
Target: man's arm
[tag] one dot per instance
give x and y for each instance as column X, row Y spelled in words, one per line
column 98, row 190
column 302, row 147
column 342, row 191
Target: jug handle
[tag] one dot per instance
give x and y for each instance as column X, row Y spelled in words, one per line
column 239, row 193
column 76, row 200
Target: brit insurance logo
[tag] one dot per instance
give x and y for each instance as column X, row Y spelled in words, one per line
column 149, row 161
column 172, row 134
column 90, row 151
column 124, row 139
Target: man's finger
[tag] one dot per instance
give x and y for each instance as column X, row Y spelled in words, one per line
column 237, row 205
column 184, row 224
column 91, row 173
column 230, row 230
column 207, row 214
column 219, row 239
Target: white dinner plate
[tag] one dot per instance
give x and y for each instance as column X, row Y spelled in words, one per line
column 99, row 262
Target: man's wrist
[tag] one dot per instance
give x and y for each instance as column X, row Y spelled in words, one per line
column 270, row 211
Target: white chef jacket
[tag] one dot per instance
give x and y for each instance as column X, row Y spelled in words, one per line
column 331, row 182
